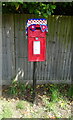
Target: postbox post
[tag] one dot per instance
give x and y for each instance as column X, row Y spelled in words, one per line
column 34, row 80
column 36, row 32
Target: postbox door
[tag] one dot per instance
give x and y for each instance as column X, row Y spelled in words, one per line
column 36, row 49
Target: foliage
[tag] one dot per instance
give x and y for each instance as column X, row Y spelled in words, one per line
column 64, row 8
column 50, row 102
column 17, row 88
column 7, row 113
column 70, row 91
column 57, row 103
column 44, row 108
column 21, row 104
column 54, row 93
column 39, row 8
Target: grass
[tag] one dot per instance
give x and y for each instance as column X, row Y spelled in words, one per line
column 70, row 91
column 6, row 111
column 17, row 87
column 1, row 115
column 53, row 101
column 57, row 107
column 21, row 104
column 54, row 93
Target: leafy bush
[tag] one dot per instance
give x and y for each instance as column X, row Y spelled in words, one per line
column 17, row 88
column 54, row 93
column 70, row 91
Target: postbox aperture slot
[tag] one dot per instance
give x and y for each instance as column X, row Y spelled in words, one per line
column 38, row 28
column 35, row 28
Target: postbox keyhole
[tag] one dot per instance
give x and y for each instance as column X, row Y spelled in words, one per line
column 36, row 38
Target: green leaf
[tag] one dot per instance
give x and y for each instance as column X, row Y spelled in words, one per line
column 16, row 5
column 45, row 15
column 47, row 6
column 53, row 6
column 31, row 11
column 48, row 12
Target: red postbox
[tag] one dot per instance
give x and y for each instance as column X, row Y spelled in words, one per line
column 36, row 32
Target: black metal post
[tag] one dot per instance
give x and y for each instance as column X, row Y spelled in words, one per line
column 34, row 80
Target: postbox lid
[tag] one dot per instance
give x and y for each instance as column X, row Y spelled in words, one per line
column 32, row 23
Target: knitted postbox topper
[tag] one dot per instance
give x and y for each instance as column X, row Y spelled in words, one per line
column 32, row 23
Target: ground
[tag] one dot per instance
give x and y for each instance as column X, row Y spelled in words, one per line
column 17, row 105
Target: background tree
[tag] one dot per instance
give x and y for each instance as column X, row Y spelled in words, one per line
column 39, row 8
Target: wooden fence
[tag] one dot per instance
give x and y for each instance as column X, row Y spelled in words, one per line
column 15, row 65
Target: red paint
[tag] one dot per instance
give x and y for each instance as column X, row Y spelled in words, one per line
column 31, row 38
